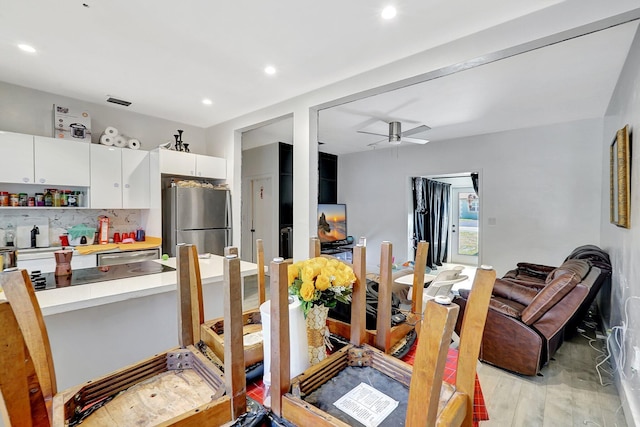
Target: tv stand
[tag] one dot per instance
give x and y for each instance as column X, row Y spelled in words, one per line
column 340, row 250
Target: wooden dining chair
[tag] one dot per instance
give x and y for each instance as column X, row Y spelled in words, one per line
column 177, row 387
column 213, row 331
column 452, row 406
column 386, row 337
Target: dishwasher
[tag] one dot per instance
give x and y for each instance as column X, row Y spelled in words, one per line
column 126, row 257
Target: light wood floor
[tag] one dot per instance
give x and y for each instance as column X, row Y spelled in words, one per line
column 567, row 394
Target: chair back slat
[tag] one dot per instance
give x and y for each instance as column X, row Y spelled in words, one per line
column 21, row 392
column 473, row 322
column 261, row 275
column 419, row 267
column 234, row 370
column 359, row 296
column 190, row 300
column 314, row 247
column 21, row 295
column 280, row 348
column 429, row 364
column 383, row 321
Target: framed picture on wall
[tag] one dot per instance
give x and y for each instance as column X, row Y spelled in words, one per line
column 620, row 168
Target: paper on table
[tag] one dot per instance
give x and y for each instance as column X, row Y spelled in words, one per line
column 366, row 405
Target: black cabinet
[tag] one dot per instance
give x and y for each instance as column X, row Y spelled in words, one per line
column 327, row 178
column 327, row 190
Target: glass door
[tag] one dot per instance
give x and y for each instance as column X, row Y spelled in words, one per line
column 464, row 226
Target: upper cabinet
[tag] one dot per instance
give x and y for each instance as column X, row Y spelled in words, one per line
column 16, row 152
column 135, row 179
column 189, row 164
column 119, row 178
column 61, row 162
column 211, row 167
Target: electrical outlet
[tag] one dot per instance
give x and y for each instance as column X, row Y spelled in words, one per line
column 635, row 364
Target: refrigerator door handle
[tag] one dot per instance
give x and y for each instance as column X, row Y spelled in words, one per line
column 228, row 220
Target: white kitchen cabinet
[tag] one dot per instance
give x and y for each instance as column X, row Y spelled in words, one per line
column 61, row 162
column 136, row 188
column 177, row 163
column 106, row 177
column 119, row 178
column 211, row 167
column 16, row 152
column 190, row 164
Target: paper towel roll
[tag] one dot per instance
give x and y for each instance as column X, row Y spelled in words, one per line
column 133, row 143
column 106, row 139
column 120, row 141
column 111, row 131
column 299, row 358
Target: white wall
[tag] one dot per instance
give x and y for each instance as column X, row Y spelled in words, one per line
column 541, row 185
column 623, row 245
column 225, row 138
column 30, row 111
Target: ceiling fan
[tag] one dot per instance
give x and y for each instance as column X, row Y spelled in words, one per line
column 396, row 136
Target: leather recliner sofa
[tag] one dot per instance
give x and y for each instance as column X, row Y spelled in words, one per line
column 534, row 306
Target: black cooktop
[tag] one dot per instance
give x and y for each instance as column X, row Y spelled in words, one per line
column 83, row 276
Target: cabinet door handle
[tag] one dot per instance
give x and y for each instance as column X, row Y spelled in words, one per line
column 127, row 186
column 42, row 180
column 25, row 179
column 116, row 185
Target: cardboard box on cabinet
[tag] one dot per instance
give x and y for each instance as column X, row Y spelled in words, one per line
column 71, row 124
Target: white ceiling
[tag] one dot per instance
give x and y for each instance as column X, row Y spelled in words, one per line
column 568, row 81
column 166, row 56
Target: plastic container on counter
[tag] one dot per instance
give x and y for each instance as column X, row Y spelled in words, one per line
column 39, row 199
column 4, row 198
column 14, row 200
column 23, row 199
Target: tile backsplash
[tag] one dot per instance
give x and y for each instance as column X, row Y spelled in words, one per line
column 59, row 220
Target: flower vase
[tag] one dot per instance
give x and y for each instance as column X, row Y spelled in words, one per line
column 316, row 328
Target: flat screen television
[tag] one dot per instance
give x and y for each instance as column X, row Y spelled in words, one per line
column 332, row 222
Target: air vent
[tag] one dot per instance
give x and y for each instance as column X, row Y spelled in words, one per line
column 118, row 101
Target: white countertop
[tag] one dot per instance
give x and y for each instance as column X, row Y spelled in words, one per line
column 61, row 300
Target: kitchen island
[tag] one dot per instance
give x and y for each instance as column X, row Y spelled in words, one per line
column 99, row 327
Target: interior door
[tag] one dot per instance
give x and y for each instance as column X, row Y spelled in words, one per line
column 258, row 216
column 464, row 226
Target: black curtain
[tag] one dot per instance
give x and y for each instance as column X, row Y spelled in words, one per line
column 474, row 180
column 432, row 205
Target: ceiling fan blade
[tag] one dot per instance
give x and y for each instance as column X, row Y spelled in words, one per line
column 372, row 133
column 416, row 130
column 415, row 140
column 373, row 144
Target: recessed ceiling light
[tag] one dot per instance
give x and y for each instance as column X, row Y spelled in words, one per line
column 27, row 48
column 207, row 101
column 389, row 12
column 271, row 70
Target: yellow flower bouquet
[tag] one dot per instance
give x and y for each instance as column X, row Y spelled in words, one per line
column 321, row 281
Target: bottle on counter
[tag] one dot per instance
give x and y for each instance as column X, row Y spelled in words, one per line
column 57, row 199
column 4, row 198
column 10, row 235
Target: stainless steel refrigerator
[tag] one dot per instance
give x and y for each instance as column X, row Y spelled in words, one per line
column 201, row 216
